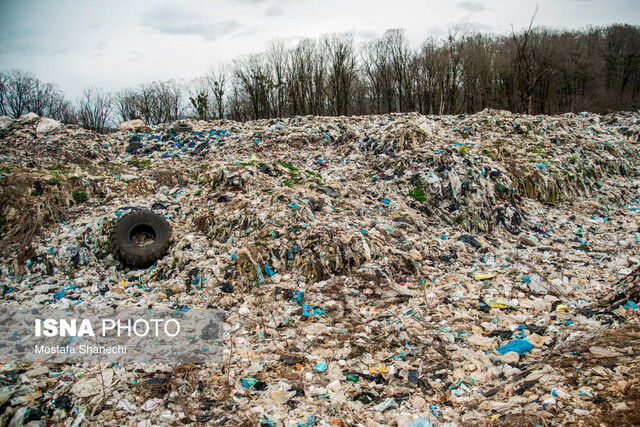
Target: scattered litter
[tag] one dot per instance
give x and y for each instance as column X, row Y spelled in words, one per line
column 371, row 270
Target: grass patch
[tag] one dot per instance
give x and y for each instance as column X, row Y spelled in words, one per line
column 106, row 162
column 5, row 170
column 462, row 150
column 140, row 164
column 418, row 194
column 293, row 179
column 59, row 168
column 573, row 159
column 538, row 148
column 287, row 165
column 197, row 193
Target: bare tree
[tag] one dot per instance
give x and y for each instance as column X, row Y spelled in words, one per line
column 532, row 62
column 342, row 72
column 217, row 78
column 377, row 76
column 199, row 98
column 252, row 76
column 126, row 104
column 535, row 70
column 623, row 60
column 154, row 103
column 431, row 71
column 399, row 57
column 4, row 82
column 63, row 111
column 94, row 109
column 277, row 58
column 19, row 90
column 476, row 74
column 169, row 100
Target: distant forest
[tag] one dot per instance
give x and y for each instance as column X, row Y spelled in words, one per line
column 535, row 71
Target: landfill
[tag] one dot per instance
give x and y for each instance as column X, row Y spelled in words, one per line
column 401, row 270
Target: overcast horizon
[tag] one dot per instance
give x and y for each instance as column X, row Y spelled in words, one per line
column 118, row 44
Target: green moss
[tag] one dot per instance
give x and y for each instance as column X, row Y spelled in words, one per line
column 79, row 196
column 584, row 247
column 418, row 194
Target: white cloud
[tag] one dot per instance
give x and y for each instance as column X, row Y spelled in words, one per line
column 274, row 10
column 472, row 6
column 175, row 21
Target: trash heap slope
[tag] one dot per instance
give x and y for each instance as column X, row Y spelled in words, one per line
column 372, row 268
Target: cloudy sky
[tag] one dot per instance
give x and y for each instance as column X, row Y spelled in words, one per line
column 116, row 43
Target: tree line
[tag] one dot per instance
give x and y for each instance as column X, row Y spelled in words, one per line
column 536, row 71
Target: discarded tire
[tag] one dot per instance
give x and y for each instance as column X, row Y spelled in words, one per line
column 140, row 238
column 181, row 127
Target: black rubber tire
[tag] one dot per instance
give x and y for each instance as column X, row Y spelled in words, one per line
column 133, row 255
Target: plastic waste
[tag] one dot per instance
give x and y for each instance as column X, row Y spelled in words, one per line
column 500, row 303
column 421, row 422
column 151, row 404
column 518, row 346
column 345, row 241
column 483, row 276
column 320, row 367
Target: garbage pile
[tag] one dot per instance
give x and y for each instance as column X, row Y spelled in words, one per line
column 401, row 269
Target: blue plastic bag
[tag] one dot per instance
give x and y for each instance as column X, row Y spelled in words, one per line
column 519, row 346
